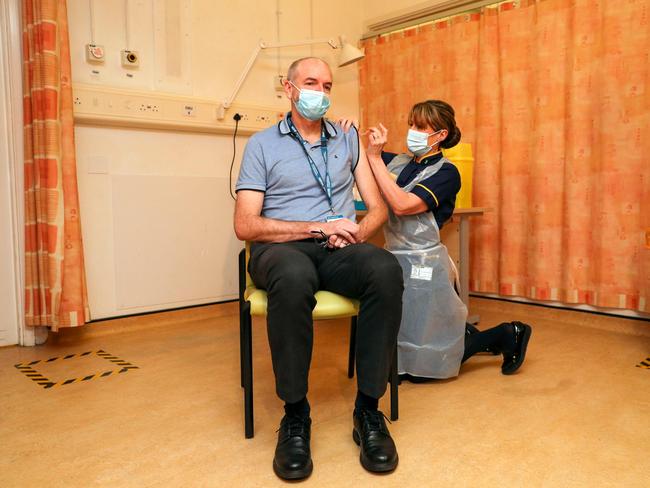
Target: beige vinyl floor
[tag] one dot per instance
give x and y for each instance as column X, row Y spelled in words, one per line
column 576, row 415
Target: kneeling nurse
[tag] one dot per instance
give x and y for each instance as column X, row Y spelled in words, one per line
column 420, row 190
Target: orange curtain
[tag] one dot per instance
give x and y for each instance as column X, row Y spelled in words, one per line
column 55, row 284
column 554, row 97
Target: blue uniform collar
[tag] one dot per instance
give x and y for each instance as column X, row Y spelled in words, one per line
column 330, row 129
column 429, row 160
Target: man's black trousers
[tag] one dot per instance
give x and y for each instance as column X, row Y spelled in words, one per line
column 292, row 272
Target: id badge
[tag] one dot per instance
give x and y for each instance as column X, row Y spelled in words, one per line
column 332, row 218
column 423, row 273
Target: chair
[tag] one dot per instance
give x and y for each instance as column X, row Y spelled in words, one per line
column 252, row 301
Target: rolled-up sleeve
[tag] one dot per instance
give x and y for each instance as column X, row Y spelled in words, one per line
column 387, row 157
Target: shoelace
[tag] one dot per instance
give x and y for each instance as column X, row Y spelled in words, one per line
column 295, row 427
column 372, row 420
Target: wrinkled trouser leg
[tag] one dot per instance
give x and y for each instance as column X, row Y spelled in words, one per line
column 287, row 271
column 374, row 276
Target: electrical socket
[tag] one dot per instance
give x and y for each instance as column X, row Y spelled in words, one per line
column 130, row 59
column 149, row 108
column 95, row 54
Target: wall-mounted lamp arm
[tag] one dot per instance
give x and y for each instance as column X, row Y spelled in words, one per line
column 263, row 45
column 305, row 42
column 228, row 101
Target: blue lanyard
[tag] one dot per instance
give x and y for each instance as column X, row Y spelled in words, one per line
column 325, row 184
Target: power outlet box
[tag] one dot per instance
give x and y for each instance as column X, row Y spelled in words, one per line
column 101, row 105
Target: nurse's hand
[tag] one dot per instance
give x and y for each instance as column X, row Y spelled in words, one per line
column 377, row 138
column 336, row 242
column 347, row 122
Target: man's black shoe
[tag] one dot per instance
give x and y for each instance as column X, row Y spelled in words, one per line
column 515, row 356
column 292, row 460
column 378, row 451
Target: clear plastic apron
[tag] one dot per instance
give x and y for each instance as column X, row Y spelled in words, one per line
column 431, row 339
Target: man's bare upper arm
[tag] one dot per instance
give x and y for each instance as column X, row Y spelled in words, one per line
column 248, row 204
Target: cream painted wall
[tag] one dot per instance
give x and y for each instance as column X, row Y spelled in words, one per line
column 222, row 37
column 200, row 265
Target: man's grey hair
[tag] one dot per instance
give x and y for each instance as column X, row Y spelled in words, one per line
column 291, row 73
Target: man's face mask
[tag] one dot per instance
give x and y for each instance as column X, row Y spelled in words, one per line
column 416, row 141
column 312, row 104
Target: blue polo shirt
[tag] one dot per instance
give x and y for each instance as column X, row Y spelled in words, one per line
column 438, row 191
column 274, row 162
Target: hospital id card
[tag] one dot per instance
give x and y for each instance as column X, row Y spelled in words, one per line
column 332, row 218
column 421, row 273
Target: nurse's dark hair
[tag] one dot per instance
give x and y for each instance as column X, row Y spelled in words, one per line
column 438, row 115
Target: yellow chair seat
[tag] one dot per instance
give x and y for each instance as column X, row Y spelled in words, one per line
column 328, row 305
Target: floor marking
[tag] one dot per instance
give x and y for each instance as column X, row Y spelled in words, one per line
column 645, row 364
column 41, row 380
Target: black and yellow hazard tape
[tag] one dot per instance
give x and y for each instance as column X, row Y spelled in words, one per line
column 41, row 380
column 645, row 364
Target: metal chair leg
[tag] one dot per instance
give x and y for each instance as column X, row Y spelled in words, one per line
column 394, row 380
column 248, row 370
column 241, row 345
column 242, row 287
column 353, row 345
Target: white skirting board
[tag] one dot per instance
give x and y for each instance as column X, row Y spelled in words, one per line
column 617, row 312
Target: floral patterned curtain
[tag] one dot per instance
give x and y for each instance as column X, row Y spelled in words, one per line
column 554, row 96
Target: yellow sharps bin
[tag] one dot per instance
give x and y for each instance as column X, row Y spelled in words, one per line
column 461, row 156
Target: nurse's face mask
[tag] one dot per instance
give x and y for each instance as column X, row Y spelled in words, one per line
column 311, row 104
column 417, row 141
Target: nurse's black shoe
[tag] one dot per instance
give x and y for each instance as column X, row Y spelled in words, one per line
column 471, row 329
column 292, row 460
column 378, row 451
column 413, row 379
column 515, row 353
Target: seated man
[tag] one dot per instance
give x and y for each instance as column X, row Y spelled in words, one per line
column 295, row 204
